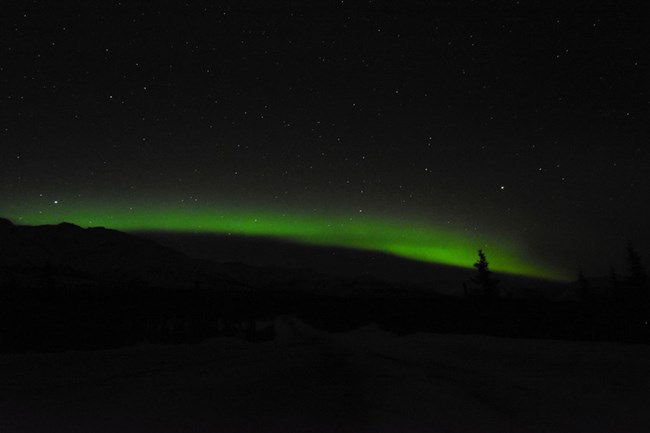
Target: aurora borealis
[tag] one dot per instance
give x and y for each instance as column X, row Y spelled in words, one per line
column 417, row 129
column 407, row 240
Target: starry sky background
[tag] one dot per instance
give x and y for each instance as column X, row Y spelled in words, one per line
column 525, row 122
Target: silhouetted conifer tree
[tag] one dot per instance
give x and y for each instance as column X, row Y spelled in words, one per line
column 637, row 311
column 484, row 278
column 637, row 277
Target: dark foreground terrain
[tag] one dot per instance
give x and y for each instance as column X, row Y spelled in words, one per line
column 82, row 318
column 103, row 331
column 367, row 380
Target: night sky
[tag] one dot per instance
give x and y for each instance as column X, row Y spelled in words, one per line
column 422, row 129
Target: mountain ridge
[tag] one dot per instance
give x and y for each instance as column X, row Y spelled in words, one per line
column 78, row 256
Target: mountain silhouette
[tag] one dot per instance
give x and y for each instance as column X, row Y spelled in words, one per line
column 98, row 255
column 89, row 256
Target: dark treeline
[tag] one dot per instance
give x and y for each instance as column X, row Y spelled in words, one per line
column 51, row 318
column 46, row 304
column 60, row 318
column 46, row 314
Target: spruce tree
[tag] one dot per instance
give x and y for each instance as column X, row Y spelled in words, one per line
column 637, row 277
column 485, row 278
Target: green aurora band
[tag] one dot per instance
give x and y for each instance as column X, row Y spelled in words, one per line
column 412, row 241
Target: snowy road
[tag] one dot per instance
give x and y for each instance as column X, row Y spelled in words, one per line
column 311, row 381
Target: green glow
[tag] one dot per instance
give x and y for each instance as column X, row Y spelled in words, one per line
column 413, row 241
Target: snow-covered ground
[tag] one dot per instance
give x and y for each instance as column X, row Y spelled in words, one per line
column 311, row 381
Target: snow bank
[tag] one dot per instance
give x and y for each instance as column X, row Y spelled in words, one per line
column 307, row 380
